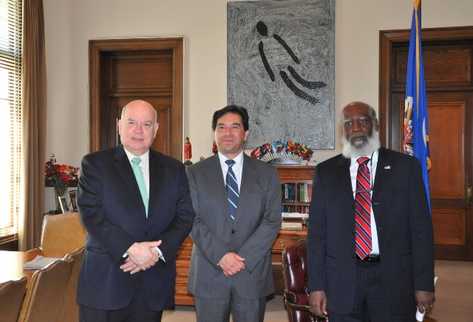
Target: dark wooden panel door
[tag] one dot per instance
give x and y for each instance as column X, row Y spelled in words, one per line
column 124, row 70
column 450, row 115
column 448, row 55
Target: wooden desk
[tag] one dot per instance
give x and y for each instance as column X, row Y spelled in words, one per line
column 11, row 267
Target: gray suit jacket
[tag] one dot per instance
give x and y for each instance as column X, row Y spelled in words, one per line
column 251, row 235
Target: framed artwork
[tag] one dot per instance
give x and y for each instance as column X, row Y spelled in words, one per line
column 281, row 67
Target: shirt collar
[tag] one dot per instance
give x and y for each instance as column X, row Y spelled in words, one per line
column 373, row 157
column 238, row 159
column 144, row 157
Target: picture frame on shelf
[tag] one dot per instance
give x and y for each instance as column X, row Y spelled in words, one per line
column 73, row 199
column 63, row 203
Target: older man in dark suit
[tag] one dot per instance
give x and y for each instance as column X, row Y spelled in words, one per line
column 237, row 201
column 136, row 207
column 370, row 247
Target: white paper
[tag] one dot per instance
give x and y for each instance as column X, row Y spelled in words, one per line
column 291, row 225
column 294, row 215
column 39, row 262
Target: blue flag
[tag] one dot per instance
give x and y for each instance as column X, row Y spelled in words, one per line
column 416, row 121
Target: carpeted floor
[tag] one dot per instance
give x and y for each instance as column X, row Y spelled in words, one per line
column 454, row 295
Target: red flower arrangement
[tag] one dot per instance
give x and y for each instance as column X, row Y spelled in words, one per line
column 282, row 152
column 60, row 176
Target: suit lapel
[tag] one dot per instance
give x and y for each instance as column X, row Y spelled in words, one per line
column 383, row 174
column 156, row 182
column 382, row 180
column 247, row 180
column 123, row 167
column 217, row 186
column 345, row 179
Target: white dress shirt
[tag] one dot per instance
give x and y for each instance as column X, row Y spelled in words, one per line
column 372, row 164
column 237, row 167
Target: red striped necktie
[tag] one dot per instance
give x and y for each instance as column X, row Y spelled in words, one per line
column 363, row 245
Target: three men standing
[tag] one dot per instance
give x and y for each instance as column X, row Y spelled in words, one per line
column 237, row 202
column 370, row 234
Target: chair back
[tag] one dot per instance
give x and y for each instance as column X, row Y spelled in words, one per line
column 62, row 234
column 71, row 309
column 296, row 295
column 46, row 292
column 12, row 294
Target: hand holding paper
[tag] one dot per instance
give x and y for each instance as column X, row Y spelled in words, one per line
column 421, row 308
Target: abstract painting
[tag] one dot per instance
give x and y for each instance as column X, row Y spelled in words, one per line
column 281, row 67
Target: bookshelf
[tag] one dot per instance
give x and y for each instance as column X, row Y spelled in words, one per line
column 299, row 179
column 296, row 192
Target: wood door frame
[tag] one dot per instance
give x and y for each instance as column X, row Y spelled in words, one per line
column 97, row 47
column 387, row 40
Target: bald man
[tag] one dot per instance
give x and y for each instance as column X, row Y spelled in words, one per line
column 370, row 247
column 136, row 207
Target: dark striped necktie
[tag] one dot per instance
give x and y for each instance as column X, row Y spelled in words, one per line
column 363, row 244
column 233, row 194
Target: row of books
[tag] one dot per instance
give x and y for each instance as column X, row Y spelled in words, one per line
column 295, row 209
column 294, row 220
column 296, row 192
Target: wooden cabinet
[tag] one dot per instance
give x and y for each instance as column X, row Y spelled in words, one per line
column 287, row 174
column 182, row 297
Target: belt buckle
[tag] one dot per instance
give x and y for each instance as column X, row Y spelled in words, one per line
column 372, row 258
column 369, row 259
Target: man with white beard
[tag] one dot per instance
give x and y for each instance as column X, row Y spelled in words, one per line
column 370, row 245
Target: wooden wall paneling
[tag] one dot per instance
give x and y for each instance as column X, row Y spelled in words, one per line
column 449, row 228
column 447, row 175
column 121, row 70
column 444, row 65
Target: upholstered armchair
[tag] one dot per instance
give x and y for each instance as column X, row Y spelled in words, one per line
column 46, row 291
column 61, row 234
column 296, row 295
column 11, row 299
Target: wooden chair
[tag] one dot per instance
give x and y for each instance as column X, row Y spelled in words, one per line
column 12, row 294
column 296, row 295
column 46, row 292
column 61, row 234
column 71, row 309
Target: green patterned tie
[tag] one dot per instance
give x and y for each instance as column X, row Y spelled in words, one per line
column 140, row 180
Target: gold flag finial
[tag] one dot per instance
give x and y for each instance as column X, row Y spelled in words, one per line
column 417, row 4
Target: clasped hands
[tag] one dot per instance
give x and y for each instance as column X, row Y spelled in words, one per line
column 231, row 263
column 141, row 256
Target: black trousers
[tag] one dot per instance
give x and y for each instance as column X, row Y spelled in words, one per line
column 136, row 311
column 370, row 300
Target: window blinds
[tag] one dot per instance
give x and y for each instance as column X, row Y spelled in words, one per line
column 11, row 121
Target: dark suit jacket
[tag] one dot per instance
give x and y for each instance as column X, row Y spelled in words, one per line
column 251, row 235
column 404, row 232
column 114, row 216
